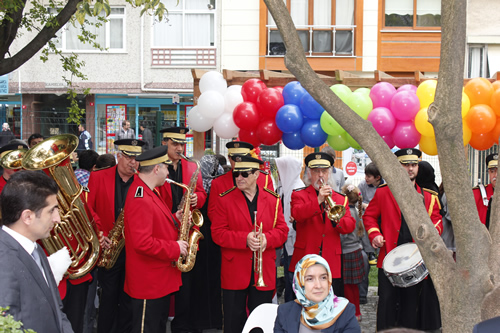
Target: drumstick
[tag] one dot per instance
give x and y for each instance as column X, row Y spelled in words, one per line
column 414, row 251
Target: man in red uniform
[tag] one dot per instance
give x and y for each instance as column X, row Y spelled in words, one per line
column 151, row 245
column 417, row 306
column 226, row 181
column 233, row 229
column 107, row 192
column 316, row 233
column 7, row 170
column 482, row 194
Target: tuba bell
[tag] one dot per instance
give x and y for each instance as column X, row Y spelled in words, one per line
column 77, row 230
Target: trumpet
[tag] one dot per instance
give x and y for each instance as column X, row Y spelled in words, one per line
column 333, row 211
column 257, row 256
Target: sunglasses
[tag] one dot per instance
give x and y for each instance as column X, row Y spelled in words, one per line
column 244, row 174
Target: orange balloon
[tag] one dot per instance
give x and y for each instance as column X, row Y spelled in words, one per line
column 467, row 133
column 427, row 144
column 496, row 85
column 481, row 141
column 495, row 132
column 481, row 119
column 495, row 102
column 479, row 91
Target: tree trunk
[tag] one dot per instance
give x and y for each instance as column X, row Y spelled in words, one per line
column 461, row 286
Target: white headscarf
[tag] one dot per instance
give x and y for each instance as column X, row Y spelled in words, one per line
column 289, row 169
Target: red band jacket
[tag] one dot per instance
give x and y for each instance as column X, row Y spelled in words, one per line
column 315, row 232
column 482, row 209
column 150, row 244
column 231, row 224
column 384, row 207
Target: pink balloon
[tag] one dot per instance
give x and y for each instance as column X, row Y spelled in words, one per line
column 388, row 139
column 405, row 105
column 381, row 94
column 408, row 87
column 405, row 134
column 382, row 120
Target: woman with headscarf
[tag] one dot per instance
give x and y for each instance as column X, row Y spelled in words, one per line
column 316, row 307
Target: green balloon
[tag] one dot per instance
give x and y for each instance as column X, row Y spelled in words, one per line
column 338, row 142
column 330, row 125
column 342, row 91
column 365, row 91
column 352, row 142
column 361, row 104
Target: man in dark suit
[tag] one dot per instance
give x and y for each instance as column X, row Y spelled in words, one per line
column 29, row 212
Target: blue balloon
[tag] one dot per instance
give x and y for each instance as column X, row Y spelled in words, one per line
column 292, row 140
column 293, row 92
column 289, row 118
column 312, row 134
column 310, row 108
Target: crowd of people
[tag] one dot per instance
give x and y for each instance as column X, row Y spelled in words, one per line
column 326, row 232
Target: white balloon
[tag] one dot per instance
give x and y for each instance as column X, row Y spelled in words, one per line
column 231, row 99
column 213, row 81
column 197, row 121
column 225, row 127
column 236, row 87
column 211, row 104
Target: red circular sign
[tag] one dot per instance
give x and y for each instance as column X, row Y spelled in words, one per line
column 351, row 168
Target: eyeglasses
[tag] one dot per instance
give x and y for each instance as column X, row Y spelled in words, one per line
column 243, row 174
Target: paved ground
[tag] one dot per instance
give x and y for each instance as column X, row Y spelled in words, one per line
column 369, row 312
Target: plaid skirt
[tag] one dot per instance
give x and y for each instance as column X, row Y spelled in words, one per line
column 354, row 268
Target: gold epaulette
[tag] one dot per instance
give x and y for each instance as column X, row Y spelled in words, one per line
column 382, row 185
column 272, row 192
column 218, row 176
column 264, row 172
column 476, row 187
column 300, row 189
column 226, row 192
column 340, row 193
column 430, row 191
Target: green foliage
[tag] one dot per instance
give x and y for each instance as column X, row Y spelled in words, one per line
column 9, row 325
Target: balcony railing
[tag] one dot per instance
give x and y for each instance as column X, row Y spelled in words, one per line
column 193, row 57
column 317, row 40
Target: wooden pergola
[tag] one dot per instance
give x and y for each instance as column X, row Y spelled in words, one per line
column 353, row 80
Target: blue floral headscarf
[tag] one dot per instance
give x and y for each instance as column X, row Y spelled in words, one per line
column 316, row 315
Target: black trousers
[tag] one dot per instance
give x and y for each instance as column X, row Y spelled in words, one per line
column 74, row 304
column 150, row 315
column 234, row 305
column 183, row 297
column 115, row 314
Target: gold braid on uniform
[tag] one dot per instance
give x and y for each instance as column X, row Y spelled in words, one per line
column 226, row 192
column 277, row 204
column 434, row 197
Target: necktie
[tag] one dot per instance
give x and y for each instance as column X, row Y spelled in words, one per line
column 38, row 261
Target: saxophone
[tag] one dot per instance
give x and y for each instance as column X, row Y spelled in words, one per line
column 110, row 255
column 186, row 231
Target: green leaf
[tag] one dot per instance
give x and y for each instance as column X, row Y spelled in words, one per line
column 86, row 7
column 80, row 16
column 107, row 9
column 97, row 8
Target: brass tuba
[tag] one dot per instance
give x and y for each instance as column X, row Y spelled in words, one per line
column 333, row 211
column 77, row 230
column 110, row 255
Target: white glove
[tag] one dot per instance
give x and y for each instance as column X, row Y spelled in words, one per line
column 59, row 263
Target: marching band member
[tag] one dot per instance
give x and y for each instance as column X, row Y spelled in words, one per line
column 316, row 233
column 234, row 230
column 151, row 245
column 8, row 172
column 483, row 194
column 415, row 307
column 107, row 192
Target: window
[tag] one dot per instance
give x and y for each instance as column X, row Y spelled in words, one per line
column 325, row 27
column 477, row 61
column 413, row 13
column 109, row 35
column 190, row 24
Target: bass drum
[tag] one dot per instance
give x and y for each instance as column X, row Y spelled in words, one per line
column 404, row 266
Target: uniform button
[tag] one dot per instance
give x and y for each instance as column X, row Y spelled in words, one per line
column 397, row 230
column 394, row 243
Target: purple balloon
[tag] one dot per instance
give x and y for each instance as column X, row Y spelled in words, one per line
column 405, row 105
column 388, row 139
column 408, row 87
column 381, row 94
column 382, row 120
column 289, row 118
column 405, row 134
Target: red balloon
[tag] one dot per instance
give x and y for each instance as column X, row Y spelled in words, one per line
column 270, row 101
column 249, row 136
column 279, row 88
column 246, row 116
column 251, row 90
column 268, row 132
column 481, row 141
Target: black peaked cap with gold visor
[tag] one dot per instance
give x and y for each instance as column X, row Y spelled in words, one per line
column 130, row 147
column 238, row 148
column 154, row 156
column 176, row 134
column 318, row 160
column 246, row 163
column 408, row 155
column 492, row 161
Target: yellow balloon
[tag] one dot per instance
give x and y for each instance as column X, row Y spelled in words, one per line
column 422, row 123
column 428, row 145
column 467, row 133
column 465, row 104
column 426, row 92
